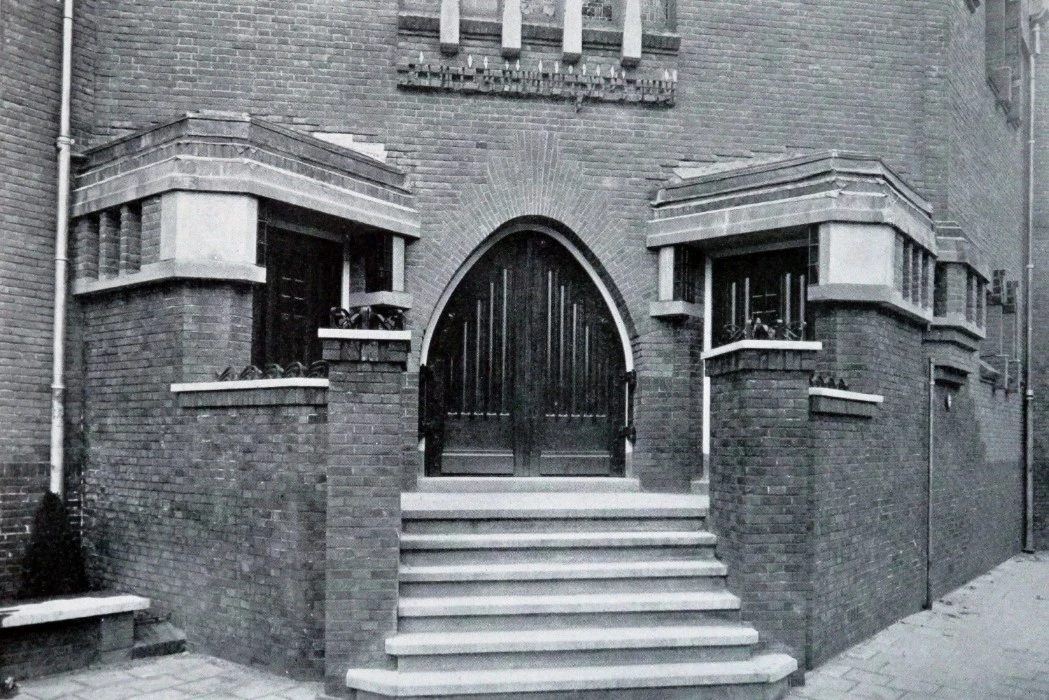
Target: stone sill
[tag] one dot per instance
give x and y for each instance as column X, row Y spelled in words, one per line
column 166, row 270
column 674, row 309
column 843, row 403
column 301, row 391
column 354, row 334
column 74, row 608
column 763, row 345
column 655, row 42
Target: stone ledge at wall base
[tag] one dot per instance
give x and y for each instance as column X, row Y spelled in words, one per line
column 843, row 403
column 39, row 638
column 303, row 391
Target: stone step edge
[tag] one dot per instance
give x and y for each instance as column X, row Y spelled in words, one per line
column 554, row 571
column 577, row 639
column 559, row 540
column 765, row 669
column 559, row 505
column 528, row 484
column 450, row 606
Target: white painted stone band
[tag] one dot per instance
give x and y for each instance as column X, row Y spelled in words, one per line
column 764, row 345
column 845, row 395
column 25, row 614
column 241, row 384
column 355, row 334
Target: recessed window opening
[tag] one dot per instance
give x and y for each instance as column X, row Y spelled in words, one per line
column 762, row 296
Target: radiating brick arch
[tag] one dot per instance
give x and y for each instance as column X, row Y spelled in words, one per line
column 529, row 180
column 564, row 238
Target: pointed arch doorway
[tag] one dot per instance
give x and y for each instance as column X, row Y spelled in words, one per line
column 525, row 368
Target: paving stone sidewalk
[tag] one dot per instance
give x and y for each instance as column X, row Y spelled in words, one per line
column 177, row 677
column 988, row 640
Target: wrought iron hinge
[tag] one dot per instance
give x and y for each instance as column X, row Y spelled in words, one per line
column 629, row 432
column 630, row 378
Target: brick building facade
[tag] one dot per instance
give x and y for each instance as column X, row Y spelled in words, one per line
column 775, row 256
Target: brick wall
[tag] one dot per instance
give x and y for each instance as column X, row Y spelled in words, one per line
column 216, row 513
column 791, row 79
column 821, row 518
column 30, row 65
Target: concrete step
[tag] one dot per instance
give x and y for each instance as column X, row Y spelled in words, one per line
column 570, row 647
column 499, row 548
column 479, row 526
column 766, row 674
column 448, row 606
column 502, row 484
column 553, row 577
column 539, row 621
column 557, row 505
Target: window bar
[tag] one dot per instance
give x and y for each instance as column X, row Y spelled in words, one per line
column 733, row 297
column 786, row 298
column 802, row 293
column 906, row 286
column 746, row 299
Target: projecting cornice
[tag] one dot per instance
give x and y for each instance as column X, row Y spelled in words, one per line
column 238, row 154
column 726, row 208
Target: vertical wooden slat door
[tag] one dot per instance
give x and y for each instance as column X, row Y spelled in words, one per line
column 525, row 373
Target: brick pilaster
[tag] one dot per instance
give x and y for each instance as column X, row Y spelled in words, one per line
column 368, row 418
column 760, row 487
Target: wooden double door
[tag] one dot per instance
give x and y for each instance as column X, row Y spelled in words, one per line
column 526, row 373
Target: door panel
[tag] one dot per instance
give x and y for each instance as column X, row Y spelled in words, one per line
column 526, row 371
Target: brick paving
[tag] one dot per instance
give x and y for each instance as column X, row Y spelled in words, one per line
column 988, row 640
column 178, row 677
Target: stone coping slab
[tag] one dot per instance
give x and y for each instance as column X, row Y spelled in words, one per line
column 75, row 608
column 247, row 384
column 806, row 345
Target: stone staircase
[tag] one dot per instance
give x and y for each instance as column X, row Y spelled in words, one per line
column 543, row 588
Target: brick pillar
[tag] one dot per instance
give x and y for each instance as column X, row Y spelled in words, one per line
column 760, row 482
column 372, row 433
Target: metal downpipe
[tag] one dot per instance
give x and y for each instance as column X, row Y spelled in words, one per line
column 64, row 143
column 1028, row 407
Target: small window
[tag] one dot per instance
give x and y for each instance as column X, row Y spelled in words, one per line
column 303, row 283
column 761, row 295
